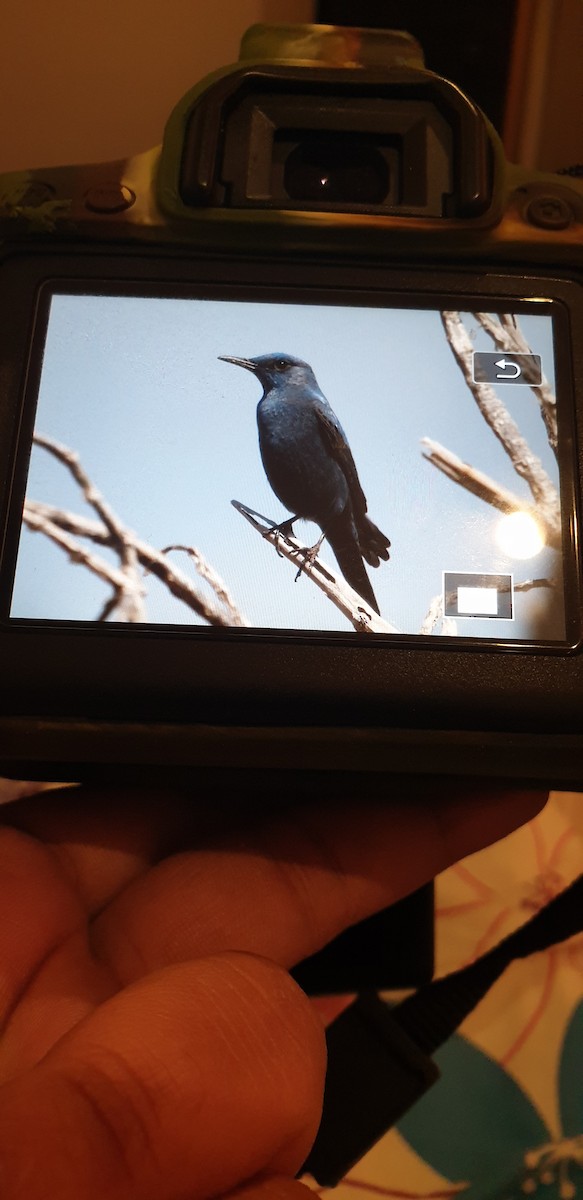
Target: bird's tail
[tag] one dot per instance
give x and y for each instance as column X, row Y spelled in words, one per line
column 374, row 545
column 343, row 538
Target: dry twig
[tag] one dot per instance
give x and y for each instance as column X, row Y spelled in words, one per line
column 526, row 464
column 508, row 336
column 434, row 616
column 362, row 617
column 125, row 580
column 485, row 488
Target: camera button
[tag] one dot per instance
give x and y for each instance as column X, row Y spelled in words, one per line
column 550, row 212
column 109, row 198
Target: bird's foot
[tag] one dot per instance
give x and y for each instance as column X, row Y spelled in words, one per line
column 286, row 529
column 309, row 555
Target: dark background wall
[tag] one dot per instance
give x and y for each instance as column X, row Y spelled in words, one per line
column 468, row 43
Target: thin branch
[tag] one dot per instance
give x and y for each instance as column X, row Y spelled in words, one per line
column 434, row 616
column 212, row 577
column 131, row 603
column 119, row 535
column 488, row 490
column 527, row 585
column 152, row 560
column 526, row 464
column 361, row 615
column 508, row 336
column 70, row 522
column 132, row 552
column 129, row 600
column 77, row 553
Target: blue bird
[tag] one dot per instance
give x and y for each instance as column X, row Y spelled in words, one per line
column 310, row 467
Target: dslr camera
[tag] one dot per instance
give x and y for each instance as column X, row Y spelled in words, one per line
column 360, row 551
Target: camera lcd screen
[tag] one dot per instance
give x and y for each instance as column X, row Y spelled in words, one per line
column 144, row 436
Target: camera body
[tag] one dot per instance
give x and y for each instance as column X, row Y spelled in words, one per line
column 329, row 200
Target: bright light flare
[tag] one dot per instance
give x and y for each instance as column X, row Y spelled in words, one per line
column 519, row 535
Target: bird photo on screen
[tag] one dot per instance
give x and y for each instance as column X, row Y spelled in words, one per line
column 310, row 467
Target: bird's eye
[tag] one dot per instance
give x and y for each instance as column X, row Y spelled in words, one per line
column 281, row 364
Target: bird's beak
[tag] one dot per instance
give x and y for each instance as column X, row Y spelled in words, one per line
column 239, row 362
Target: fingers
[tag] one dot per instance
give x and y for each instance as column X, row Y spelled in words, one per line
column 41, row 912
column 202, row 1076
column 103, row 837
column 287, row 889
column 106, row 837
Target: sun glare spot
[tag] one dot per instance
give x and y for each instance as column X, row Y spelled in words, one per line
column 519, row 535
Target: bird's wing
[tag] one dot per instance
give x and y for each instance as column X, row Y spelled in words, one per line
column 334, row 439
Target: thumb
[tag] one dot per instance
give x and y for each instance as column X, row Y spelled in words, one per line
column 188, row 1083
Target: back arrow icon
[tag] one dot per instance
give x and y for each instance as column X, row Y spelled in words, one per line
column 507, row 365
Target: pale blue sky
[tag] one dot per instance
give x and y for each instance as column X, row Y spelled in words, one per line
column 168, row 434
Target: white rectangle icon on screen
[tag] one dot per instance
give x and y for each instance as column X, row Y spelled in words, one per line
column 478, row 594
column 477, row 601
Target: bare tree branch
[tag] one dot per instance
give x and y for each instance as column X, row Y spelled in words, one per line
column 508, row 336
column 40, row 523
column 207, row 572
column 71, row 522
column 362, row 617
column 487, row 489
column 131, row 606
column 526, row 464
column 527, row 585
column 435, row 615
column 117, row 532
column 128, row 590
column 335, row 586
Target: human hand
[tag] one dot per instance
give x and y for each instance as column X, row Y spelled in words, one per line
column 153, row 1045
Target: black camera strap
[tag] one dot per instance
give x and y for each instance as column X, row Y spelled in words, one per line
column 379, row 1060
